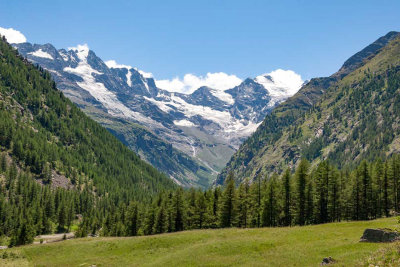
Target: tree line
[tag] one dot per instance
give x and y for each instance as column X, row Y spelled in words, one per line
column 302, row 196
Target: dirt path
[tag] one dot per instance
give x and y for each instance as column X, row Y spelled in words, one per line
column 53, row 237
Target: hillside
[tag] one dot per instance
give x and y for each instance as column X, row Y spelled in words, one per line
column 43, row 131
column 349, row 116
column 289, row 246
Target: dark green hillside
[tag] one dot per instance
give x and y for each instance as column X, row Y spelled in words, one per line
column 42, row 130
column 350, row 116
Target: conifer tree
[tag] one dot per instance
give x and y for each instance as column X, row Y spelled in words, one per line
column 132, row 219
column 160, row 224
column 301, row 184
column 366, row 190
column 386, row 194
column 228, row 208
column 243, row 204
column 334, row 196
column 178, row 209
column 287, row 198
column 309, row 217
column 3, row 163
column 200, row 211
column 322, row 182
column 270, row 205
column 149, row 220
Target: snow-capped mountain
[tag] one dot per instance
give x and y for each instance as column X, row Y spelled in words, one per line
column 208, row 124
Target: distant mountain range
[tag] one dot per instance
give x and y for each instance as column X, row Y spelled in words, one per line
column 188, row 136
column 350, row 116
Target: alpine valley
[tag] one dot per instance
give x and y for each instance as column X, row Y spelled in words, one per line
column 190, row 137
column 313, row 166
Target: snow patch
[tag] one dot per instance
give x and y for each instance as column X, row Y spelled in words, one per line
column 227, row 98
column 184, row 123
column 42, row 54
column 128, row 78
column 99, row 91
column 64, row 56
column 229, row 125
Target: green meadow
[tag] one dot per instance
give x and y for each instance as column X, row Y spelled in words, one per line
column 286, row 246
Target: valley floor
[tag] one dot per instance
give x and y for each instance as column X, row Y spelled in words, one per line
column 289, row 246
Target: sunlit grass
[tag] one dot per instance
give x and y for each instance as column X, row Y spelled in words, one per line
column 291, row 246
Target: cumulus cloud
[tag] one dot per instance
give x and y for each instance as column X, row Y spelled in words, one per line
column 287, row 78
column 189, row 83
column 281, row 82
column 113, row 64
column 79, row 47
column 145, row 74
column 12, row 36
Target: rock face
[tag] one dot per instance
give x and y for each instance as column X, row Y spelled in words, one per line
column 379, row 235
column 327, row 261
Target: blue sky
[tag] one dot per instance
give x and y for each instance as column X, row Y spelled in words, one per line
column 245, row 38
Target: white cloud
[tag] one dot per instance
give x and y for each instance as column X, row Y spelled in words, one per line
column 189, row 83
column 145, row 74
column 13, row 36
column 280, row 83
column 113, row 64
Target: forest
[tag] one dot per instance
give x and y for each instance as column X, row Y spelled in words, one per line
column 304, row 196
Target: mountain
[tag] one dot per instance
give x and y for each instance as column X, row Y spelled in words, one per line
column 44, row 134
column 188, row 136
column 349, row 116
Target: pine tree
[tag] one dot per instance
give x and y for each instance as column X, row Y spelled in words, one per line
column 3, row 163
column 228, row 208
column 132, row 219
column 213, row 218
column 287, row 198
column 160, row 224
column 243, row 204
column 321, row 192
column 301, row 184
column 334, row 196
column 149, row 220
column 366, row 190
column 269, row 212
column 178, row 209
column 200, row 211
column 62, row 217
column 309, row 217
column 395, row 182
column 386, row 200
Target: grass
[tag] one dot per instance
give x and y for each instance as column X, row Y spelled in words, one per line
column 291, row 246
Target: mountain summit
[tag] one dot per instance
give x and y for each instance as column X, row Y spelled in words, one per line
column 204, row 127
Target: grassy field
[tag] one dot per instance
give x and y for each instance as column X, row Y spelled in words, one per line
column 291, row 246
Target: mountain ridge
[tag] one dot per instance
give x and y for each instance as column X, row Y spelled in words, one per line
column 207, row 125
column 285, row 127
